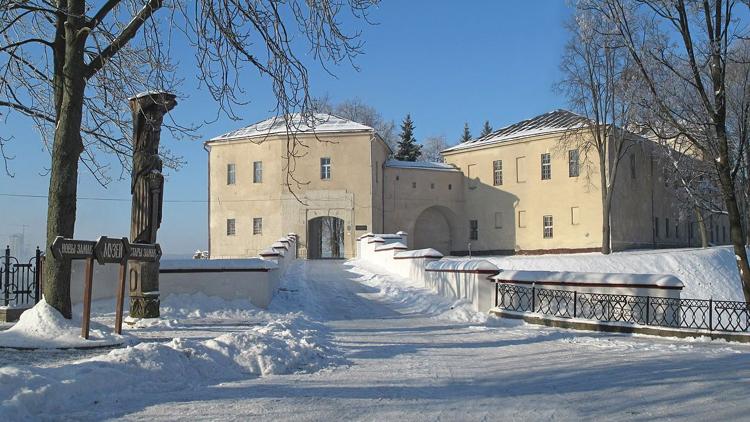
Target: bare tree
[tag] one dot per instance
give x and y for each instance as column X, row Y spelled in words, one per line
column 70, row 65
column 683, row 50
column 432, row 146
column 597, row 81
column 358, row 111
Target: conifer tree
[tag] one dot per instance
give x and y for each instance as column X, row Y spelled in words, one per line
column 467, row 134
column 487, row 129
column 408, row 149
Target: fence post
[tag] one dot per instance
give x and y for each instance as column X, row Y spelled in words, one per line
column 497, row 294
column 648, row 307
column 710, row 314
column 575, row 302
column 533, row 298
column 37, row 274
column 6, row 272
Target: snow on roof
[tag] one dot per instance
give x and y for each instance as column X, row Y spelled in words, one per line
column 318, row 123
column 471, row 265
column 424, row 165
column 582, row 278
column 554, row 121
column 419, row 253
column 390, row 246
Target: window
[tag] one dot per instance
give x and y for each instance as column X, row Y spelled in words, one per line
column 257, row 226
column 230, row 227
column 473, row 229
column 398, row 178
column 546, row 167
column 432, row 186
column 521, row 169
column 325, row 168
column 231, row 174
column 632, row 166
column 450, row 186
column 497, row 170
column 575, row 215
column 413, row 185
column 521, row 219
column 498, row 220
column 656, row 227
column 547, row 223
column 257, row 172
column 666, row 228
column 573, row 170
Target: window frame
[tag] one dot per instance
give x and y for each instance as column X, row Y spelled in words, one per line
column 548, row 230
column 497, row 173
column 257, row 225
column 325, row 168
column 231, row 227
column 231, row 174
column 571, row 163
column 546, row 166
column 473, row 229
column 257, row 171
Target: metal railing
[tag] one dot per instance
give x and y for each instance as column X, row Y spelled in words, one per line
column 20, row 281
column 701, row 314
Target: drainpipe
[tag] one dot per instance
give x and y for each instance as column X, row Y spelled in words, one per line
column 208, row 202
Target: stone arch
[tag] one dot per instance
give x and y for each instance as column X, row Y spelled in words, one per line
column 433, row 228
column 325, row 238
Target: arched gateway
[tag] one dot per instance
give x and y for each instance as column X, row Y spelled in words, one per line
column 432, row 229
column 325, row 238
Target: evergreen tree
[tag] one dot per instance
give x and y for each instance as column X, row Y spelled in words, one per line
column 487, row 129
column 467, row 134
column 408, row 149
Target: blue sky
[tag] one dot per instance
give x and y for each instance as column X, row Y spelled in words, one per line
column 444, row 62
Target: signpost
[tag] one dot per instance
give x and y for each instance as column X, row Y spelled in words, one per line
column 63, row 248
column 106, row 251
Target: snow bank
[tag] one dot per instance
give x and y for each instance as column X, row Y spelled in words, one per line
column 43, row 327
column 706, row 273
column 285, row 345
column 414, row 296
column 199, row 305
column 216, row 264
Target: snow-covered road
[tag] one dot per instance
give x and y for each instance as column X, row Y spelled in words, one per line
column 411, row 358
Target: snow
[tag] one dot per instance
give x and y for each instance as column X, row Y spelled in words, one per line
column 419, row 253
column 347, row 342
column 43, row 327
column 706, row 273
column 422, row 165
column 390, row 246
column 462, row 265
column 319, row 123
column 563, row 277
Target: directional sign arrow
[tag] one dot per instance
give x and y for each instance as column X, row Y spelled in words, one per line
column 111, row 250
column 145, row 252
column 63, row 248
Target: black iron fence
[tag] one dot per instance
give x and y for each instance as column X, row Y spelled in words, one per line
column 20, row 281
column 712, row 315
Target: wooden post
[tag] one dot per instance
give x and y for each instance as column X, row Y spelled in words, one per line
column 120, row 297
column 87, row 282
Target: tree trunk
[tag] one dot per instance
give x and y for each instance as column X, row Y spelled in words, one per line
column 66, row 151
column 606, row 207
column 702, row 230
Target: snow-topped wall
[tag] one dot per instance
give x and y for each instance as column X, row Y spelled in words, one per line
column 476, row 279
column 256, row 279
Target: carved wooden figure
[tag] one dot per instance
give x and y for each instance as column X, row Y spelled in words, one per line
column 147, row 189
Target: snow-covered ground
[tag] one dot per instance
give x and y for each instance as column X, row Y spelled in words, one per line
column 341, row 342
column 706, row 273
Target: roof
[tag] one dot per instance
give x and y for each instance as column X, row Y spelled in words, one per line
column 318, row 123
column 554, row 121
column 421, row 165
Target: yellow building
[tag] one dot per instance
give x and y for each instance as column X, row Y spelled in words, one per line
column 516, row 190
